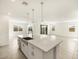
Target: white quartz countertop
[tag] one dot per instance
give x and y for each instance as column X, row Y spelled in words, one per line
column 45, row 44
column 22, row 36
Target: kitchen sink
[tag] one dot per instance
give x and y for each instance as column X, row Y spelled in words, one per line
column 27, row 38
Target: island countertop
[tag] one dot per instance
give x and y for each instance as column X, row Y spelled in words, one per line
column 45, row 44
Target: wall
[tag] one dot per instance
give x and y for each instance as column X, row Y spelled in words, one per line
column 20, row 23
column 4, row 37
column 62, row 29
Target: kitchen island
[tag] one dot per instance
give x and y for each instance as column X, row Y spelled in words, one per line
column 42, row 48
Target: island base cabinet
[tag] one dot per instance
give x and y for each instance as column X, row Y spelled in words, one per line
column 50, row 54
column 36, row 53
column 24, row 49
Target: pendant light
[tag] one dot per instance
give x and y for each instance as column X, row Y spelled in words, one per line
column 42, row 3
column 28, row 16
column 33, row 15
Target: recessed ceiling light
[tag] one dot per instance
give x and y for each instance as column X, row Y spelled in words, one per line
column 13, row 0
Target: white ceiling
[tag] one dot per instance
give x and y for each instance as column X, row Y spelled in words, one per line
column 53, row 9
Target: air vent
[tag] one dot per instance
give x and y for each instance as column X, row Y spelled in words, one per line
column 24, row 3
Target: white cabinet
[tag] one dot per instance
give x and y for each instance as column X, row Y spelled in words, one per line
column 40, row 48
column 24, row 48
column 36, row 53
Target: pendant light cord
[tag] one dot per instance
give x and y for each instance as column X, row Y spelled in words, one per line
column 42, row 11
column 33, row 15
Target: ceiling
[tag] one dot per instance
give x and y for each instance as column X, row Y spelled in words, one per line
column 52, row 9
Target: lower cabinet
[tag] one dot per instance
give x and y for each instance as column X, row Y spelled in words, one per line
column 36, row 53
column 32, row 52
column 24, row 49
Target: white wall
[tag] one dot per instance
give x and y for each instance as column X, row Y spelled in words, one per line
column 4, row 37
column 62, row 29
column 16, row 22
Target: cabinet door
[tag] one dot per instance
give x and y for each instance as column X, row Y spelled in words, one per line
column 38, row 53
column 26, row 50
column 34, row 52
column 22, row 46
column 50, row 54
column 31, row 51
